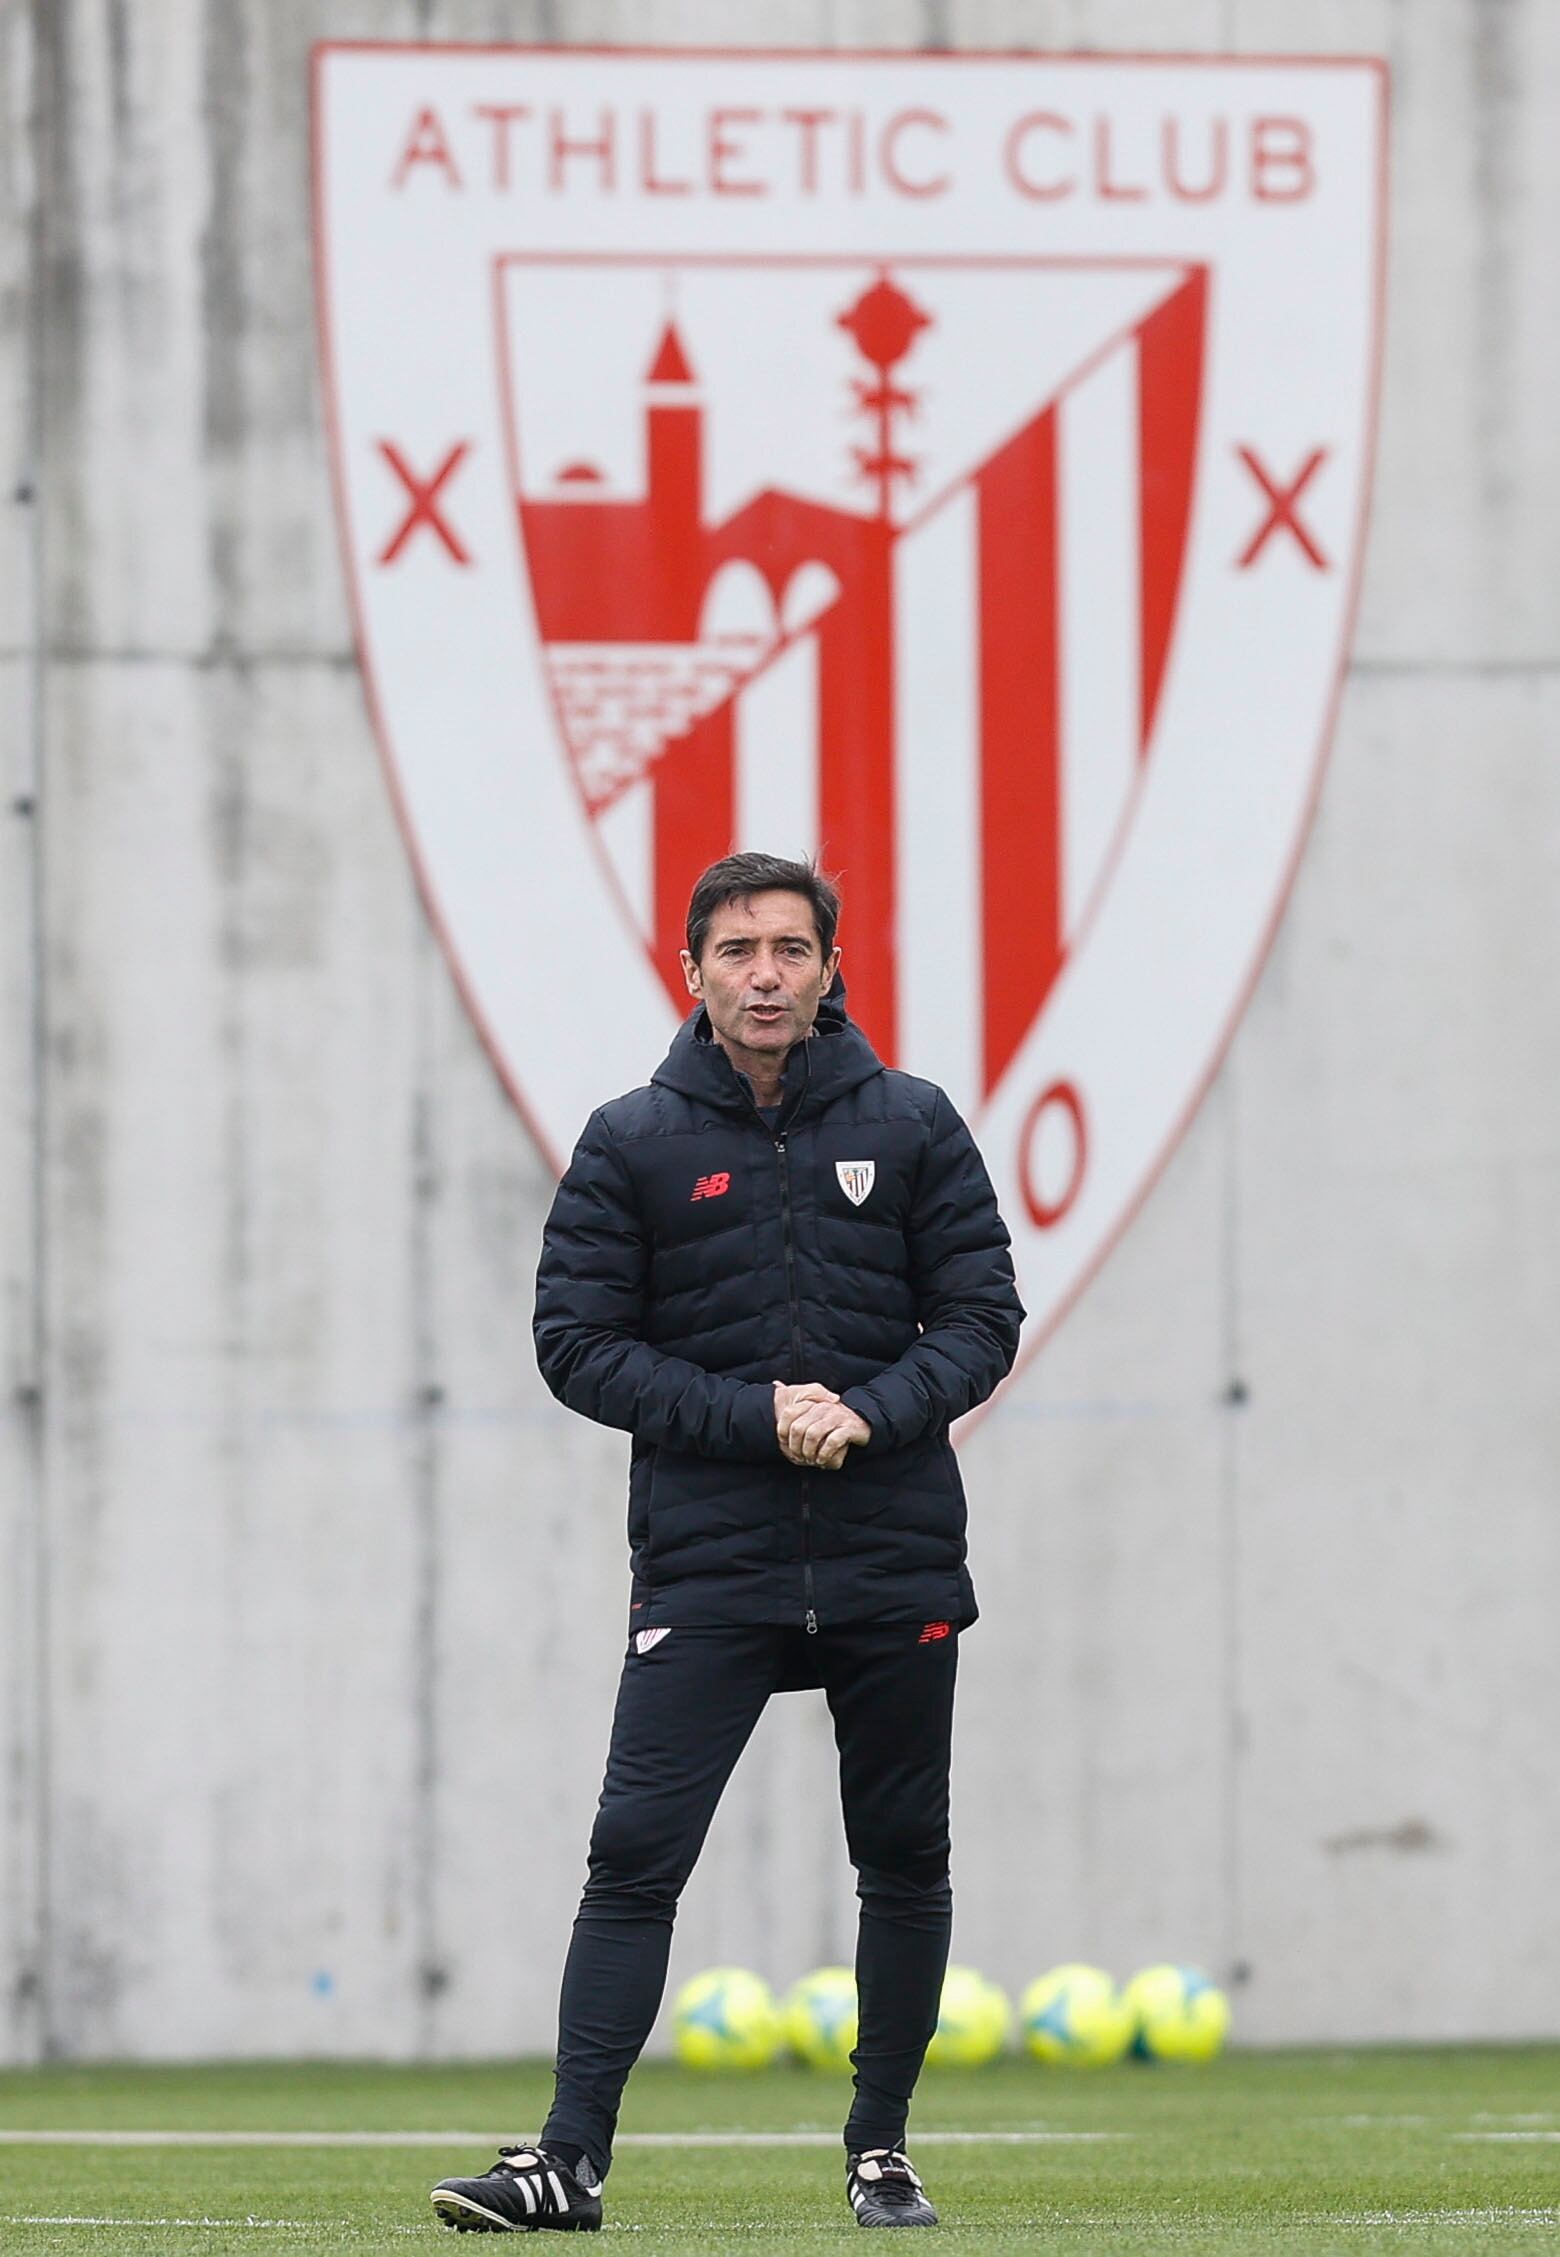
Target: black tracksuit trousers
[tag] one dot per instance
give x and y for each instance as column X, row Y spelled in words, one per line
column 686, row 1709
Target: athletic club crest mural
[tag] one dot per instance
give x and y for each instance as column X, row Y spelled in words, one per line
column 953, row 467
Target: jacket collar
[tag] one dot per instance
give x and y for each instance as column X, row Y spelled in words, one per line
column 838, row 1057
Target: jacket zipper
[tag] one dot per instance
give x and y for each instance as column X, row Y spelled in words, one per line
column 810, row 1619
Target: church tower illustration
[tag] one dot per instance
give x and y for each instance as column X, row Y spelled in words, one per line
column 674, row 462
column 647, row 683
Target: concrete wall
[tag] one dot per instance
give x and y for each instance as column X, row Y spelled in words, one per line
column 311, row 1602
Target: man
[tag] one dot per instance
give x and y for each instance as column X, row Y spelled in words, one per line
column 782, row 1270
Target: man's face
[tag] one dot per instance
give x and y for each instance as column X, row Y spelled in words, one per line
column 762, row 973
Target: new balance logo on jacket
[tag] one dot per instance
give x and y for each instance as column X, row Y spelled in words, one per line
column 712, row 1187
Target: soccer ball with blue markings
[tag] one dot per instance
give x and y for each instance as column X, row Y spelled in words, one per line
column 725, row 2018
column 1075, row 2018
column 1178, row 2014
column 820, row 2017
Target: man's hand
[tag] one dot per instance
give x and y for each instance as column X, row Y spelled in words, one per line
column 814, row 1427
column 789, row 1400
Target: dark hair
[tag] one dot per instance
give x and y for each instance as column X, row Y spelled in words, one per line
column 739, row 876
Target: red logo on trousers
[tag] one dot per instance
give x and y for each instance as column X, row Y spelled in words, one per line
column 933, row 1631
column 711, row 1187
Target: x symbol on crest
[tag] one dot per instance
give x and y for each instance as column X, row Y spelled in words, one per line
column 423, row 508
column 1282, row 502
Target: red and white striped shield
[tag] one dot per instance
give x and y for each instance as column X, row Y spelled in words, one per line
column 950, row 467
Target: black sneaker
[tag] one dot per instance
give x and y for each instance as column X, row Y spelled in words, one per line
column 884, row 2190
column 526, row 2191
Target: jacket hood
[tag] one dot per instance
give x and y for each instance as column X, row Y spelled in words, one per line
column 837, row 1057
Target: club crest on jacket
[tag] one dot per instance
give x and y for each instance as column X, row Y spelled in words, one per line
column 856, row 1178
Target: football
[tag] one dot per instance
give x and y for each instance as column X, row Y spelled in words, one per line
column 1075, row 2017
column 820, row 2017
column 973, row 2023
column 1179, row 2014
column 725, row 2018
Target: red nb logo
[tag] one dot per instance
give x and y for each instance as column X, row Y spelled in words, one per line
column 711, row 1187
column 932, row 1632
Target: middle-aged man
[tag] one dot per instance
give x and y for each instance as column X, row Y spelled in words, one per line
column 781, row 1268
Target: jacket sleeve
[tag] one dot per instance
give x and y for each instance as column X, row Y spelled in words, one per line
column 590, row 1301
column 966, row 1298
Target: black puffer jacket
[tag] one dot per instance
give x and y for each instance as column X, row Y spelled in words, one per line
column 693, row 1256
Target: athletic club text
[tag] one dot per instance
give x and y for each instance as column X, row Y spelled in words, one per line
column 1041, row 156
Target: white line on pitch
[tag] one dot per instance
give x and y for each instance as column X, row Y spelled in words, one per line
column 10, row 2138
column 1506, row 2135
column 226, row 2225
column 832, row 2139
column 252, row 2139
column 1507, row 2213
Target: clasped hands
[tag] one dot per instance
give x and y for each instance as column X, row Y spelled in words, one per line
column 814, row 1427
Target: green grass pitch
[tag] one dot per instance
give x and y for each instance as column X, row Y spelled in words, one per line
column 1425, row 2152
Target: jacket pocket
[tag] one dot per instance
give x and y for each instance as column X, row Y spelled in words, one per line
column 708, row 1517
